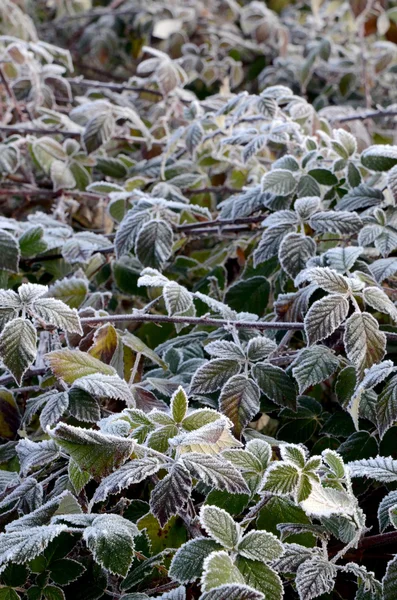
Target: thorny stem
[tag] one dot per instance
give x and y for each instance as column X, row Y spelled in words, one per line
column 206, row 322
column 381, row 114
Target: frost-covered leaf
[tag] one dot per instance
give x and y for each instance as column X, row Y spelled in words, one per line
column 171, row 494
column 32, row 454
column 324, row 502
column 209, row 439
column 220, row 526
column 389, row 582
column 93, row 451
column 279, row 182
column 260, row 545
column 128, row 231
column 259, row 348
column 9, row 252
column 360, row 197
column 55, row 312
column 386, row 406
column 379, row 157
column 293, row 556
column 379, row 300
column 187, row 564
column 270, row 243
column 232, row 592
column 219, row 570
column 314, row 365
column 55, row 406
column 295, row 250
column 224, row 349
column 342, row 259
column 18, row 347
column 213, row 375
column 340, row 222
column 215, row 472
column 154, row 243
column 384, row 508
column 110, row 538
column 314, row 578
column 20, row 547
column 72, row 291
column 179, row 405
column 325, row 316
column 131, row 473
column 380, row 468
column 365, row 344
column 328, row 279
column 105, row 386
column 98, row 130
column 281, row 478
column 239, row 401
column 261, row 577
column 177, row 298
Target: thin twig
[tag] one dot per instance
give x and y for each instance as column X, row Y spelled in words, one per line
column 114, row 87
column 22, row 130
column 367, row 115
column 220, row 223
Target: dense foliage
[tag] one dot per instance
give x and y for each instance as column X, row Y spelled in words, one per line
column 198, row 276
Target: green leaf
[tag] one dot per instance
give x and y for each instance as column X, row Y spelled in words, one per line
column 70, row 365
column 219, row 570
column 239, row 401
column 281, row 478
column 31, row 242
column 111, row 541
column 275, row 384
column 8, row 594
column 261, row 577
column 72, row 291
column 9, row 252
column 65, row 570
column 365, row 344
column 249, row 295
column 323, row 176
column 179, row 405
column 18, row 347
column 379, row 157
column 94, row 452
column 137, row 345
column 52, row 592
column 220, row 526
